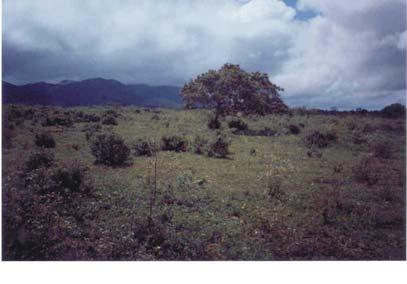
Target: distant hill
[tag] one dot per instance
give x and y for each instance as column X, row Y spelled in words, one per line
column 97, row 91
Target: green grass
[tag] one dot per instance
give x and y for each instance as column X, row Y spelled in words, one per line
column 224, row 210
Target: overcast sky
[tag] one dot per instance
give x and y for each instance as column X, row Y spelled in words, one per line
column 345, row 53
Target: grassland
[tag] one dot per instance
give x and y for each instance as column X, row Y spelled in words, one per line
column 272, row 198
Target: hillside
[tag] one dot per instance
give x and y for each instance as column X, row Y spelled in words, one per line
column 97, row 91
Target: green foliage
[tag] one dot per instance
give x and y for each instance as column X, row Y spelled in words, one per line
column 174, row 143
column 38, row 160
column 394, row 111
column 219, row 147
column 294, row 129
column 231, row 90
column 238, row 124
column 214, row 122
column 144, row 148
column 110, row 150
column 44, row 140
column 320, row 138
column 109, row 120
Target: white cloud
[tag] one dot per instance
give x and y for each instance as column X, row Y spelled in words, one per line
column 349, row 50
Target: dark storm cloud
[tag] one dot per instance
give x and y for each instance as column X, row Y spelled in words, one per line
column 346, row 49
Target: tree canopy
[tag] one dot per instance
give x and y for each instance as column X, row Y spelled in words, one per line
column 231, row 90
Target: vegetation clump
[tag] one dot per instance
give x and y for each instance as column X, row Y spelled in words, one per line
column 320, row 138
column 110, row 150
column 174, row 143
column 238, row 124
column 109, row 120
column 214, row 122
column 44, row 140
column 294, row 129
column 230, row 90
column 40, row 159
column 144, row 148
column 394, row 111
column 219, row 147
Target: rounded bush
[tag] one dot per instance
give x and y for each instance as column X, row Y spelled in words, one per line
column 110, row 150
column 45, row 140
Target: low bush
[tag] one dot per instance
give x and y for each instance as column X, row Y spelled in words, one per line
column 214, row 123
column 85, row 117
column 110, row 150
column 238, row 124
column 219, row 148
column 394, row 111
column 174, row 143
column 367, row 170
column 41, row 159
column 57, row 120
column 144, row 148
column 358, row 138
column 320, row 138
column 294, row 129
column 45, row 140
column 109, row 120
column 382, row 150
column 71, row 179
column 200, row 145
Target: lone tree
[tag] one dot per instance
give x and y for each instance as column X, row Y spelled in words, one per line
column 231, row 90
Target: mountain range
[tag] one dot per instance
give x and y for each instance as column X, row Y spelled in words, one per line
column 96, row 91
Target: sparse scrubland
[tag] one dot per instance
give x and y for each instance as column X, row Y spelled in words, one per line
column 125, row 183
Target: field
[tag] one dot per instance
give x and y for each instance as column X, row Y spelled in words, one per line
column 309, row 186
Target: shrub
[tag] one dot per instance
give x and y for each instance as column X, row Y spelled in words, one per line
column 214, row 123
column 144, row 148
column 38, row 160
column 111, row 112
column 54, row 120
column 70, row 179
column 294, row 129
column 382, row 150
column 110, row 150
column 358, row 138
column 109, row 120
column 200, row 145
column 219, row 148
column 45, row 140
column 394, row 111
column 320, row 138
column 238, row 124
column 155, row 117
column 85, row 117
column 174, row 143
column 367, row 170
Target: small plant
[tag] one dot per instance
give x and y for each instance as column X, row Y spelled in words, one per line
column 358, row 138
column 57, row 119
column 214, row 123
column 219, row 148
column 238, row 124
column 294, row 129
column 110, row 150
column 70, row 179
column 143, row 148
column 45, row 140
column 367, row 170
column 155, row 117
column 320, row 138
column 174, row 143
column 75, row 147
column 41, row 159
column 382, row 150
column 109, row 120
column 274, row 191
column 200, row 145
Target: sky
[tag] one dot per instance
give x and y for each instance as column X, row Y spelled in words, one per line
column 342, row 53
